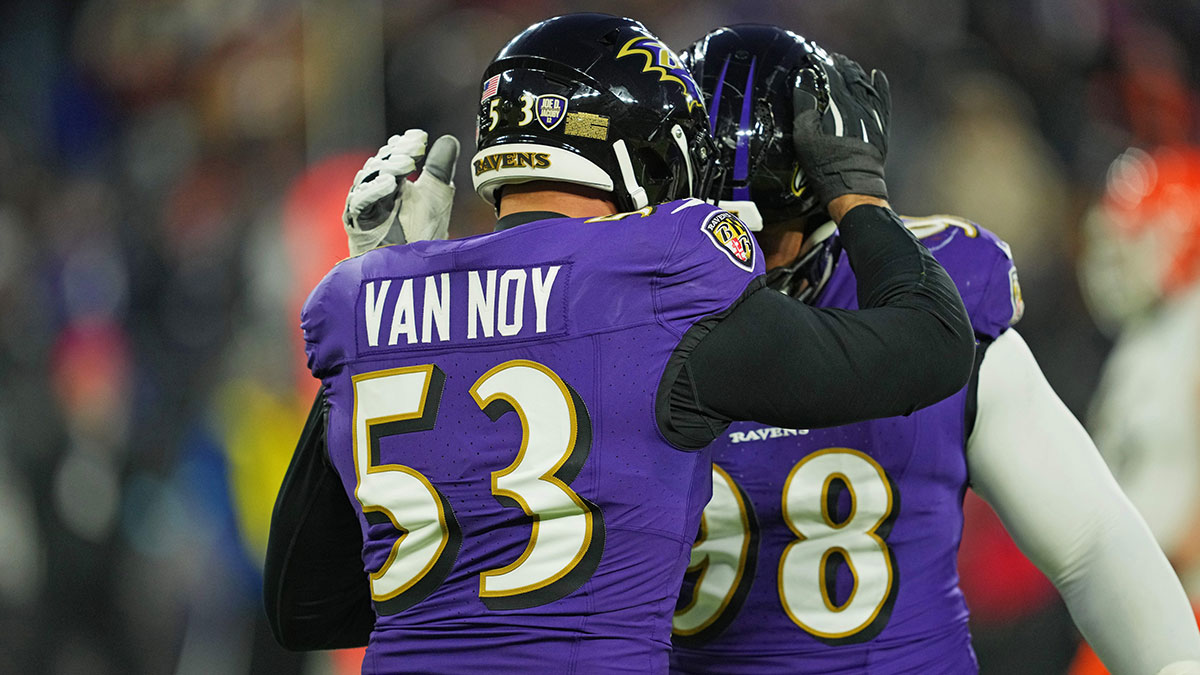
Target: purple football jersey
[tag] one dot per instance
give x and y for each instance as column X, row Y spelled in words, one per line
column 492, row 418
column 834, row 550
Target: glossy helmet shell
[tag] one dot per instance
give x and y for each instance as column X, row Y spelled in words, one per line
column 594, row 100
column 747, row 73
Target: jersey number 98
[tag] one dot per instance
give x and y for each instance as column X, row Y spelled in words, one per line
column 726, row 550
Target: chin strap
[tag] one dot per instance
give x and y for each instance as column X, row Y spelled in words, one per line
column 636, row 193
column 681, row 141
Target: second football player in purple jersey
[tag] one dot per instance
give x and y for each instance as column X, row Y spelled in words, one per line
column 833, row 550
column 836, row 547
column 505, row 468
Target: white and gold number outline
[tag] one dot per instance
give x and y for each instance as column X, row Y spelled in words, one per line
column 417, row 417
column 643, row 212
column 875, row 478
column 927, row 226
column 697, row 621
column 495, row 397
column 863, row 629
column 385, row 489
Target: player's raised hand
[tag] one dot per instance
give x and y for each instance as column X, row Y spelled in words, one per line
column 384, row 208
column 840, row 129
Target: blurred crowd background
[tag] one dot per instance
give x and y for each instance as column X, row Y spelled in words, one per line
column 171, row 178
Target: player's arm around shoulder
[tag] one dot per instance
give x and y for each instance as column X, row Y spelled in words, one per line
column 1033, row 462
column 911, row 345
column 315, row 592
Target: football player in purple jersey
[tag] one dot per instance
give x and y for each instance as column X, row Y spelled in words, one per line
column 506, row 467
column 833, row 550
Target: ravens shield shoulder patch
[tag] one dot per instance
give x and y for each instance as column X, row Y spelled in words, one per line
column 730, row 235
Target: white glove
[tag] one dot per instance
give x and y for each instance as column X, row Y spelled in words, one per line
column 384, row 208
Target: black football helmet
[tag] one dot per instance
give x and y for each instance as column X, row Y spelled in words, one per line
column 747, row 73
column 594, row 100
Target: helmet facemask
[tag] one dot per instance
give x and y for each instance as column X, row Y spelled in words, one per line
column 747, row 73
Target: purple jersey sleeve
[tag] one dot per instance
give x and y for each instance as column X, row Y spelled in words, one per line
column 317, row 321
column 713, row 250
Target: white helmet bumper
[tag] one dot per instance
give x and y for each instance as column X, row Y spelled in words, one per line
column 512, row 163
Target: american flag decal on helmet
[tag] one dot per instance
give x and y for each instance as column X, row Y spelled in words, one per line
column 490, row 88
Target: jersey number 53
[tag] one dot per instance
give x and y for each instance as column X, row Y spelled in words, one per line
column 568, row 531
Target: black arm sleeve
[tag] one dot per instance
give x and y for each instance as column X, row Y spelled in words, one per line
column 971, row 409
column 778, row 361
column 314, row 586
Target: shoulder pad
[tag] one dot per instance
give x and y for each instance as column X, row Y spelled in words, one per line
column 319, row 319
column 981, row 265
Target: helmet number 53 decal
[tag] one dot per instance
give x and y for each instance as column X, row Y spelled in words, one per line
column 547, row 109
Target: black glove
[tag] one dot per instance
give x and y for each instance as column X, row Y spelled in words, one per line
column 842, row 146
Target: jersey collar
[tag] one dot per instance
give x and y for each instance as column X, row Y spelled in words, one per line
column 523, row 217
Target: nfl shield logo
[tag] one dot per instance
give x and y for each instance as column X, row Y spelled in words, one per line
column 550, row 108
